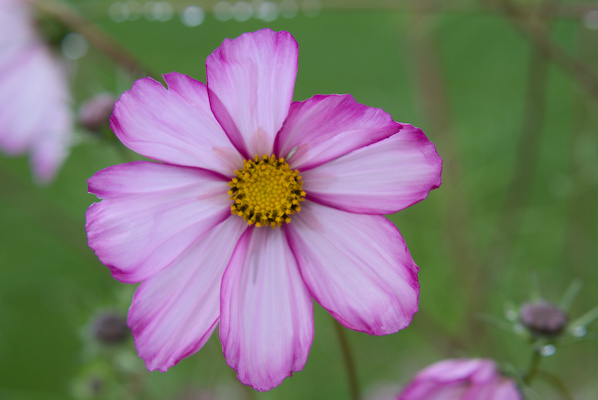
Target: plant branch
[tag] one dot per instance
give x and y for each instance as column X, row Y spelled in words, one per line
column 348, row 360
column 556, row 383
column 532, row 370
column 94, row 35
column 539, row 36
column 522, row 174
column 457, row 223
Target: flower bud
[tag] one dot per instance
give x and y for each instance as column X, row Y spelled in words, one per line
column 543, row 318
column 110, row 328
column 94, row 114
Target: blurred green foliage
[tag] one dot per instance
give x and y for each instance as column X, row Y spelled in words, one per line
column 519, row 199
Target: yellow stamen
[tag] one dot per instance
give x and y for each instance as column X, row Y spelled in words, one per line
column 266, row 192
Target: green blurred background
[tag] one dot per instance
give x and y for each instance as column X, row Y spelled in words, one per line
column 515, row 121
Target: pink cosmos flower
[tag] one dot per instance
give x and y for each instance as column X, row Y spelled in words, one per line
column 35, row 114
column 208, row 230
column 461, row 379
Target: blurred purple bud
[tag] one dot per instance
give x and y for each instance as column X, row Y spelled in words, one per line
column 96, row 385
column 543, row 318
column 110, row 328
column 94, row 114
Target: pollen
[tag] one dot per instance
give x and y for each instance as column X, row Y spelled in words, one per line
column 266, row 192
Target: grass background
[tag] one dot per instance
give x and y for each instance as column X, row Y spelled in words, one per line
column 518, row 204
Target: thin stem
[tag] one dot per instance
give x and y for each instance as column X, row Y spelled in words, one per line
column 348, row 360
column 533, row 367
column 555, row 382
column 434, row 102
column 539, row 36
column 522, row 175
column 94, row 35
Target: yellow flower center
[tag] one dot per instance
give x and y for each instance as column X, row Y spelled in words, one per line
column 266, row 192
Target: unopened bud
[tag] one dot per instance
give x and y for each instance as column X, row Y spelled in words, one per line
column 543, row 318
column 96, row 385
column 110, row 328
column 94, row 114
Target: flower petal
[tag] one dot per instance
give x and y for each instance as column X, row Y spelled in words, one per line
column 356, row 266
column 477, row 370
column 151, row 212
column 323, row 128
column 432, row 391
column 36, row 113
column 16, row 27
column 505, row 389
column 174, row 125
column 381, row 178
column 251, row 80
column 266, row 322
column 174, row 312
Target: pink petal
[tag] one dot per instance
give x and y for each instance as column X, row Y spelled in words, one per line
column 323, row 128
column 16, row 26
column 478, row 370
column 174, row 125
column 174, row 312
column 251, row 80
column 461, row 379
column 381, row 178
column 151, row 212
column 356, row 266
column 266, row 324
column 505, row 389
column 432, row 391
column 36, row 114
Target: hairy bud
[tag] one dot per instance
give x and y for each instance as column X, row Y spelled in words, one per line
column 543, row 318
column 110, row 328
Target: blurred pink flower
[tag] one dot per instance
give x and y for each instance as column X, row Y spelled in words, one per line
column 35, row 113
column 331, row 164
column 461, row 379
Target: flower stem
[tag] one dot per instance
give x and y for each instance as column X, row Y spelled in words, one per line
column 533, row 367
column 348, row 360
column 94, row 35
column 556, row 383
column 539, row 36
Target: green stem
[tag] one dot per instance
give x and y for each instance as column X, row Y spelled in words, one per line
column 93, row 34
column 556, row 383
column 539, row 36
column 533, row 367
column 348, row 360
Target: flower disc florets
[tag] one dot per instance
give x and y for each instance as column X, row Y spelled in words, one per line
column 266, row 192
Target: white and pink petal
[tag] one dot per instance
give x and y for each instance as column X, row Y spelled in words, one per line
column 381, row 178
column 175, row 312
column 325, row 127
column 266, row 324
column 356, row 266
column 505, row 389
column 150, row 213
column 36, row 114
column 251, row 80
column 477, row 370
column 174, row 125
